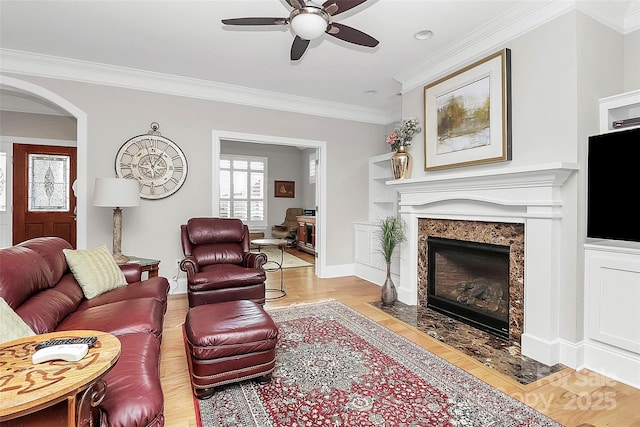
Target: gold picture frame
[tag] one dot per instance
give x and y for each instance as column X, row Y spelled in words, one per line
column 468, row 115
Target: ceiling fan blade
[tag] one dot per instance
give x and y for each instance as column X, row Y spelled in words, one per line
column 343, row 5
column 298, row 48
column 255, row 21
column 331, row 9
column 298, row 4
column 351, row 35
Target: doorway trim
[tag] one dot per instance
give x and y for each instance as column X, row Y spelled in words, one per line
column 81, row 145
column 321, row 194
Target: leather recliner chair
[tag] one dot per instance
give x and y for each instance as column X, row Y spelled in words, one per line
column 218, row 262
column 289, row 228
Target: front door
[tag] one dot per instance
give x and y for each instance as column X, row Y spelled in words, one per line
column 43, row 200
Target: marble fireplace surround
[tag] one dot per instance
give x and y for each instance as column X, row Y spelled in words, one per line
column 528, row 195
column 497, row 233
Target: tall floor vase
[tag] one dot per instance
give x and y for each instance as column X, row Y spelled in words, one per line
column 401, row 163
column 388, row 293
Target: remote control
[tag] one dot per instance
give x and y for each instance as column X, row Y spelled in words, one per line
column 68, row 352
column 90, row 341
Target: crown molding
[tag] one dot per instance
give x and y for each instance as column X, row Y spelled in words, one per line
column 632, row 18
column 623, row 17
column 490, row 37
column 27, row 63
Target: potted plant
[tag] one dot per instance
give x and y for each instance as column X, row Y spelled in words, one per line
column 391, row 232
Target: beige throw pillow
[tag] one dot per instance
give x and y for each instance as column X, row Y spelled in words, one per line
column 12, row 327
column 95, row 270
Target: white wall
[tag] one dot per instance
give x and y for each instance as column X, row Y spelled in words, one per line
column 308, row 189
column 44, row 126
column 116, row 114
column 599, row 49
column 632, row 61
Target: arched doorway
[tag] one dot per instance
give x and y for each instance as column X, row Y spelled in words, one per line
column 81, row 120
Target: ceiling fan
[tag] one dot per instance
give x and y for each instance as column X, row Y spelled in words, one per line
column 309, row 20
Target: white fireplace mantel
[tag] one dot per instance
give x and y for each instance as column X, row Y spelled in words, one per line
column 495, row 185
column 531, row 195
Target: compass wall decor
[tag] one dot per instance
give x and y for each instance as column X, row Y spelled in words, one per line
column 155, row 161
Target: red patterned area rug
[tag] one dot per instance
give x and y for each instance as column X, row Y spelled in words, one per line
column 335, row 367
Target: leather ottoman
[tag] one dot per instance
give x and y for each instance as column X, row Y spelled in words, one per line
column 229, row 342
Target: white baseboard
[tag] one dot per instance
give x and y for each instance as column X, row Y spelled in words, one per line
column 572, row 354
column 370, row 274
column 614, row 363
column 342, row 270
column 547, row 352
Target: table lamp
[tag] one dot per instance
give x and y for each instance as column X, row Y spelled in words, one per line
column 116, row 193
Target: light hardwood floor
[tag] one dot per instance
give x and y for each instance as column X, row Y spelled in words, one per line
column 575, row 399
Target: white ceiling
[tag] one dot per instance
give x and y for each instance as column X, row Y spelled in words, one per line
column 186, row 38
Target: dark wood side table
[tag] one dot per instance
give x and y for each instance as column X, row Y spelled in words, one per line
column 307, row 234
column 149, row 265
column 54, row 393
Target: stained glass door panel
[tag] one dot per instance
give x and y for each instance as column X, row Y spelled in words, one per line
column 43, row 202
column 48, row 183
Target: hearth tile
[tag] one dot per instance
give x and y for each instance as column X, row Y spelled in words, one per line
column 503, row 356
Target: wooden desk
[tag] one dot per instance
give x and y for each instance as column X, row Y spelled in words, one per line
column 55, row 392
column 150, row 265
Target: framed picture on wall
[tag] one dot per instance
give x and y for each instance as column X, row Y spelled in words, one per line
column 285, row 189
column 468, row 115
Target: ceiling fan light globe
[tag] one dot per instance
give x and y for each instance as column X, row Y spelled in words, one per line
column 308, row 26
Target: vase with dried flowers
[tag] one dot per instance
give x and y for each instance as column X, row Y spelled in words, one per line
column 391, row 232
column 399, row 140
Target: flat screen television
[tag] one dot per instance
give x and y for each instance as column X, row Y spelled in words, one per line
column 613, row 186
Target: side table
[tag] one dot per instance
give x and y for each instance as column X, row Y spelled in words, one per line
column 282, row 244
column 54, row 392
column 152, row 266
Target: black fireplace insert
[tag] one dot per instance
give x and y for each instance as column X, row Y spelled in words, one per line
column 469, row 281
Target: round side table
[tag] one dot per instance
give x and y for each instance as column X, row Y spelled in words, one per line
column 282, row 244
column 28, row 388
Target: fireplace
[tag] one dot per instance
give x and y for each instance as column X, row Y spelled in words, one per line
column 495, row 205
column 469, row 281
column 469, row 238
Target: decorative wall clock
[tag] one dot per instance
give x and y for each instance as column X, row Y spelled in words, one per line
column 155, row 161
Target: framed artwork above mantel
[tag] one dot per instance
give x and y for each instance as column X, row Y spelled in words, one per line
column 468, row 115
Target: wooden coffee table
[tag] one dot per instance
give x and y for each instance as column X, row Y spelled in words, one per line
column 55, row 392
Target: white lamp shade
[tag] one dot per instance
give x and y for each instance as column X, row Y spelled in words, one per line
column 116, row 192
column 308, row 26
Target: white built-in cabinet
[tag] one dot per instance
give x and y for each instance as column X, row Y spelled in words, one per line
column 383, row 202
column 618, row 107
column 612, row 283
column 612, row 312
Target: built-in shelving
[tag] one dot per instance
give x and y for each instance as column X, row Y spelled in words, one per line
column 383, row 202
column 612, row 282
column 618, row 107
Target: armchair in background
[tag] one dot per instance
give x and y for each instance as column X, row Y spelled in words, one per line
column 289, row 228
column 218, row 262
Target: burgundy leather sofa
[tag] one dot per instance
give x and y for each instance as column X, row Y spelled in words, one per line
column 36, row 282
column 219, row 264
